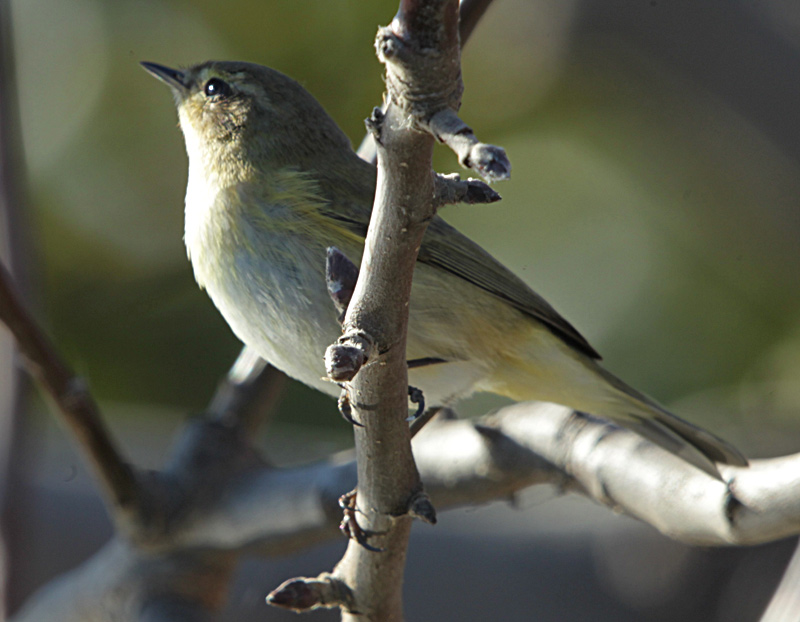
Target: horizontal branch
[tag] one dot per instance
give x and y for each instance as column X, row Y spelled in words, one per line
column 463, row 463
column 620, row 469
column 474, row 462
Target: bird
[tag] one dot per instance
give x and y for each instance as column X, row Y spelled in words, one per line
column 273, row 182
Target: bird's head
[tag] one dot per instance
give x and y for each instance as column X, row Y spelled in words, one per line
column 245, row 115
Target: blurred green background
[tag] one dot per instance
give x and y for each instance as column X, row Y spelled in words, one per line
column 654, row 198
column 655, row 201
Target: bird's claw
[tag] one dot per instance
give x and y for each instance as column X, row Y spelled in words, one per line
column 415, row 397
column 346, row 408
column 349, row 525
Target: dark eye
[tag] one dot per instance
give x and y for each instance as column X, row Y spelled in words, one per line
column 217, row 88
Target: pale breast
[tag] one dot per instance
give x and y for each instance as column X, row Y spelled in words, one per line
column 268, row 283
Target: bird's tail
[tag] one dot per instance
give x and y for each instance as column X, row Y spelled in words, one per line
column 711, row 446
column 601, row 393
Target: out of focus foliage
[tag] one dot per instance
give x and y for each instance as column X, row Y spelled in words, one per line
column 654, row 200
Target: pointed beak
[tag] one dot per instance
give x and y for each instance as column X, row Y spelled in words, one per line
column 173, row 78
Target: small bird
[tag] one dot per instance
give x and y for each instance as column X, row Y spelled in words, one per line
column 273, row 182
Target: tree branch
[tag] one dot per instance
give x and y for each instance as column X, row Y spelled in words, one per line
column 14, row 250
column 530, row 443
column 464, row 463
column 248, row 393
column 522, row 445
column 470, row 13
column 422, row 57
column 77, row 407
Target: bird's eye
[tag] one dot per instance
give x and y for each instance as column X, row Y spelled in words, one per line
column 217, row 88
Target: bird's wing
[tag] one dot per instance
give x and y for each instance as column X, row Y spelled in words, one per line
column 448, row 249
column 445, row 247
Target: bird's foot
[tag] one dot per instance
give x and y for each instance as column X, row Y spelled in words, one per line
column 349, row 525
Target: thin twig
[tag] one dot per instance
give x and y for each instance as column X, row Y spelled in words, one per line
column 14, row 249
column 70, row 393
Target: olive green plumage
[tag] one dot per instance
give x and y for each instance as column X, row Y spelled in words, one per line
column 273, row 182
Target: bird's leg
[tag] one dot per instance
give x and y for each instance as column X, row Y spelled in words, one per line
column 415, row 394
column 415, row 397
column 424, row 362
column 345, row 407
column 341, row 275
column 349, row 525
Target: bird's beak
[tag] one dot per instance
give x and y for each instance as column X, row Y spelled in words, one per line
column 173, row 78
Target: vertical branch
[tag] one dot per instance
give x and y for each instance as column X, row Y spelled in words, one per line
column 388, row 480
column 421, row 53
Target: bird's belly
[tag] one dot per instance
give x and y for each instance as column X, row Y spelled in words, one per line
column 278, row 304
column 281, row 309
